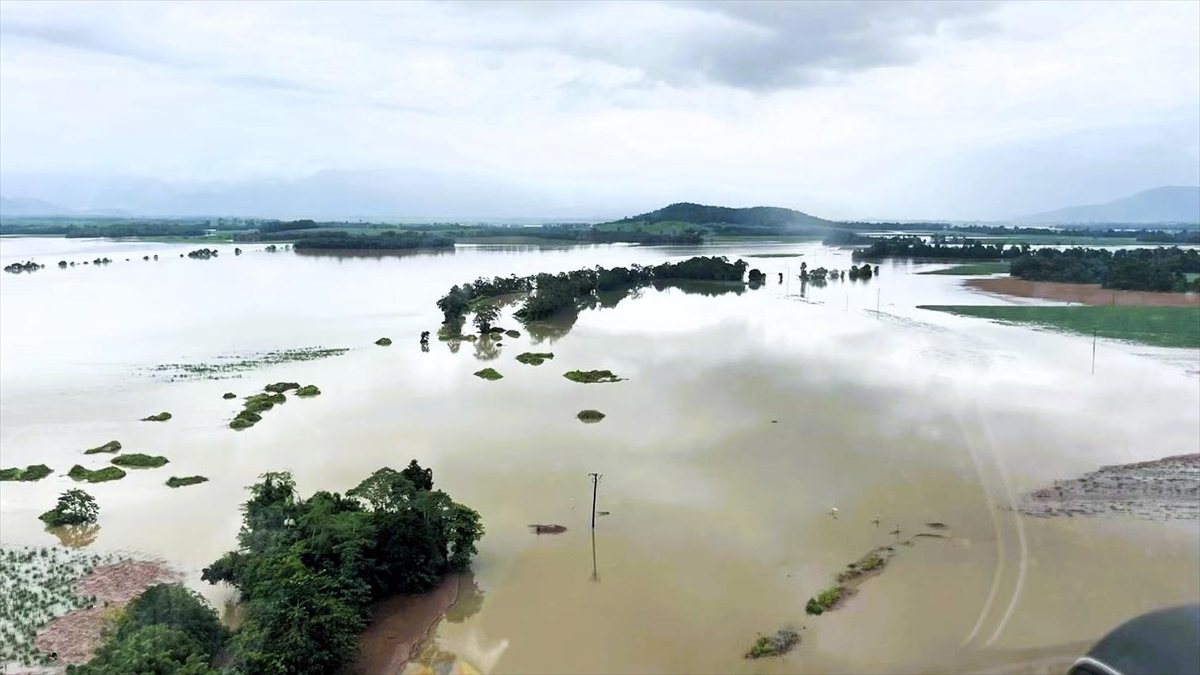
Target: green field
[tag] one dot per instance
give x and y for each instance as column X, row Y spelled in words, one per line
column 973, row 269
column 1158, row 326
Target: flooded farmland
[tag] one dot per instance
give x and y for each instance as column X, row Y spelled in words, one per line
column 745, row 417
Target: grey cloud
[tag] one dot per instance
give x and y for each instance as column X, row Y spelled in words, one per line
column 754, row 45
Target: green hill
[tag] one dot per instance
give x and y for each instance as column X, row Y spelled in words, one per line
column 724, row 218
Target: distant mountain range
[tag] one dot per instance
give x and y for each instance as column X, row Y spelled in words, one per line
column 1168, row 204
column 755, row 216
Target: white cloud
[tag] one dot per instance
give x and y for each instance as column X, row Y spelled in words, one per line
column 846, row 110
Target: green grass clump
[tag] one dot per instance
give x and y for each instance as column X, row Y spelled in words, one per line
column 591, row 376
column 257, row 403
column 871, row 562
column 241, row 422
column 590, row 416
column 534, row 358
column 111, row 446
column 97, row 476
column 383, row 341
column 774, row 645
column 160, row 417
column 824, row 600
column 1157, row 326
column 974, row 269
column 280, row 387
column 139, row 461
column 176, row 481
column 308, row 390
column 30, row 473
column 228, row 395
column 489, row 374
column 512, row 333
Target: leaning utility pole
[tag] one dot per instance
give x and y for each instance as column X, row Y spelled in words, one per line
column 595, row 484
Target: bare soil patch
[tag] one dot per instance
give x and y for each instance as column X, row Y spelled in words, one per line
column 1163, row 489
column 75, row 635
column 401, row 625
column 1087, row 294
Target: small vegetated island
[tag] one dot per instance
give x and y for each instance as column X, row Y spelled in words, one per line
column 32, row 472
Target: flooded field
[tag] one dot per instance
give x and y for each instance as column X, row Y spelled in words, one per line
column 745, row 417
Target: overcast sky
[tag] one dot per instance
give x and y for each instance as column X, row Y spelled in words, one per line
column 904, row 110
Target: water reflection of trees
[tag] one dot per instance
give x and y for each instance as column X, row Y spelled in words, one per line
column 553, row 328
column 76, row 536
column 487, row 348
column 706, row 288
column 469, row 601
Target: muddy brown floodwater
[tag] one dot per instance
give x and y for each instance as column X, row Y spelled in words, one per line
column 743, row 417
column 1087, row 294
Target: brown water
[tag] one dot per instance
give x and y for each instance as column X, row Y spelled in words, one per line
column 719, row 526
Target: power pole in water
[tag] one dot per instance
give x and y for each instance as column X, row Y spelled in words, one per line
column 1093, row 350
column 595, row 485
column 878, row 295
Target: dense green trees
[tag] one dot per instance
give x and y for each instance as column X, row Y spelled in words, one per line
column 75, row 507
column 936, row 248
column 308, row 568
column 386, row 241
column 1142, row 269
column 485, row 315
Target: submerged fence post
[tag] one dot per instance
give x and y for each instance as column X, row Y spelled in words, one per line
column 1094, row 350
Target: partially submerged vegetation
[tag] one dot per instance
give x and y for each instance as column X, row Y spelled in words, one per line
column 253, row 406
column 184, row 481
column 308, row 390
column 534, row 358
column 108, row 473
column 1157, row 326
column 782, row 642
column 137, row 460
column 384, row 341
column 489, row 374
column 74, row 507
column 26, row 266
column 591, row 376
column 36, row 585
column 203, row 253
column 230, row 366
column 824, row 601
column 30, row 473
column 590, row 416
column 280, row 387
column 309, row 569
column 1139, row 269
column 513, row 333
column 111, row 446
column 228, row 395
column 160, row 417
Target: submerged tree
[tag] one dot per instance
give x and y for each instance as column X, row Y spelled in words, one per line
column 75, row 507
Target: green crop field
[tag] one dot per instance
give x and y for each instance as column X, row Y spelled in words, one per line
column 1158, row 326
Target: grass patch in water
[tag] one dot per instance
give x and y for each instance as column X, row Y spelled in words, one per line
column 534, row 358
column 489, row 374
column 280, row 387
column 160, row 417
column 973, row 269
column 111, row 446
column 177, row 481
column 138, row 460
column 1157, row 326
column 590, row 416
column 229, row 366
column 824, row 600
column 308, row 390
column 98, row 475
column 384, row 342
column 774, row 645
column 30, row 473
column 513, row 333
column 228, row 395
column 257, row 403
column 591, row 376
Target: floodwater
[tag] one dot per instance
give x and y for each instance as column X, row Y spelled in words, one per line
column 745, row 418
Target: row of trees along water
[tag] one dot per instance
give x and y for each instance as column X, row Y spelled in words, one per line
column 550, row 293
column 936, row 248
column 1139, row 269
column 307, row 570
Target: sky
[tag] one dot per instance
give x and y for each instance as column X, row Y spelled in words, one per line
column 979, row 110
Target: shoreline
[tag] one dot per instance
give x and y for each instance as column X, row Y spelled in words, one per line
column 1086, row 294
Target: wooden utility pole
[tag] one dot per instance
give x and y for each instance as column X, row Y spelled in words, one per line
column 878, row 295
column 1093, row 350
column 595, row 485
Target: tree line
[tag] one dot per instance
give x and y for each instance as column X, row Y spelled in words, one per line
column 551, row 293
column 936, row 248
column 307, row 570
column 1141, row 269
column 385, row 241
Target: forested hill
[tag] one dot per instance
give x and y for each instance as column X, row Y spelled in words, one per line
column 757, row 216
